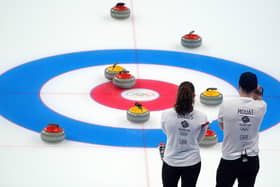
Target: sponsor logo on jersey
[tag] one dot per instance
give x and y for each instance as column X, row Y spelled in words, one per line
column 185, row 124
column 245, row 119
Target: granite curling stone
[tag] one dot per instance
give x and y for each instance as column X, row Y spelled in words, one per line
column 138, row 113
column 209, row 139
column 191, row 40
column 120, row 11
column 124, row 80
column 211, row 97
column 52, row 133
column 112, row 70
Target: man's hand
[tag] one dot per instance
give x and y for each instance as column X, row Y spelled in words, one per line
column 258, row 93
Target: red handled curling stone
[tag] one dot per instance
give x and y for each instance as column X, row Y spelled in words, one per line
column 120, row 11
column 52, row 133
column 191, row 40
column 124, row 80
column 138, row 113
column 210, row 138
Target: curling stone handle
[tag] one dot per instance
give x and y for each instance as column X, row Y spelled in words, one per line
column 138, row 105
column 53, row 124
column 114, row 65
column 124, row 71
column 211, row 89
column 120, row 4
column 191, row 32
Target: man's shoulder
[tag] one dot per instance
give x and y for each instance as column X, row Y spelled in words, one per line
column 232, row 101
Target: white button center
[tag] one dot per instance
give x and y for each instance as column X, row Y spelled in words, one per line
column 140, row 94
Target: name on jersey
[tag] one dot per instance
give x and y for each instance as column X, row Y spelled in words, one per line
column 187, row 116
column 247, row 111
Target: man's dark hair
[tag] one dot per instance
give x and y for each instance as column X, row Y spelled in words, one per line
column 248, row 82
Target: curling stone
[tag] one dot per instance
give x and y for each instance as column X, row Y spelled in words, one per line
column 211, row 97
column 191, row 40
column 112, row 70
column 210, row 138
column 52, row 133
column 120, row 11
column 124, row 80
column 138, row 113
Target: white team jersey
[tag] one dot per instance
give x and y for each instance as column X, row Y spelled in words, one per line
column 183, row 136
column 241, row 119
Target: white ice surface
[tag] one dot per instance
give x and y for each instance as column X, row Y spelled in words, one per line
column 68, row 94
column 246, row 32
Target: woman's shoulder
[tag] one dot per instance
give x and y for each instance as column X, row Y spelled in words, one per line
column 169, row 112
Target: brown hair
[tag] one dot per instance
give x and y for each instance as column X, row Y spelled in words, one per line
column 185, row 98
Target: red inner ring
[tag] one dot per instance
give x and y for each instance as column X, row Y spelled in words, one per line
column 109, row 95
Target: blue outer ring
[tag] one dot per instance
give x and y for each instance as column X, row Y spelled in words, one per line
column 20, row 101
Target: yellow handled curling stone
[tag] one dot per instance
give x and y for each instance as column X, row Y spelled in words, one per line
column 211, row 97
column 138, row 113
column 112, row 70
